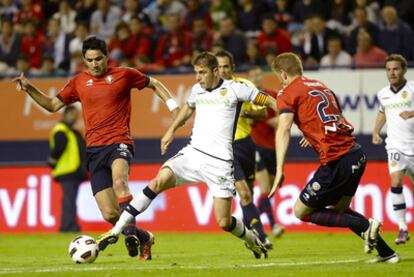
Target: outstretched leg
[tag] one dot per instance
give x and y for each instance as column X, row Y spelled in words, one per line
column 222, row 213
column 164, row 180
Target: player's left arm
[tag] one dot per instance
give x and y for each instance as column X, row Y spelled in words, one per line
column 185, row 113
column 264, row 99
column 164, row 93
column 282, row 143
column 407, row 115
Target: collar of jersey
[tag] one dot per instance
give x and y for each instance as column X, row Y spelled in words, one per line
column 218, row 85
column 396, row 91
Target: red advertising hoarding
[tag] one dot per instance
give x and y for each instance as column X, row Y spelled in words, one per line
column 30, row 201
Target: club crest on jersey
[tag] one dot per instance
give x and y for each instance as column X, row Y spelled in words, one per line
column 393, row 164
column 109, row 79
column 223, row 91
column 89, row 83
column 404, row 95
column 316, row 186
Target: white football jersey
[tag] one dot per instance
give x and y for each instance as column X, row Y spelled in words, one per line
column 400, row 132
column 216, row 116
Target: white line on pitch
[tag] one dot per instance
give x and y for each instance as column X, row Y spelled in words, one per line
column 79, row 268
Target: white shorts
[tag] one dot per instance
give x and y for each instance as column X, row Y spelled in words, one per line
column 397, row 161
column 192, row 166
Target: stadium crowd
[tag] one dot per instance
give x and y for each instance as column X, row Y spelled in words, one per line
column 44, row 37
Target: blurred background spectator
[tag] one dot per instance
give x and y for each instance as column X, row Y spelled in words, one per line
column 157, row 35
column 201, row 36
column 66, row 15
column 104, row 19
column 56, row 44
column 336, row 56
column 8, row 10
column 196, row 10
column 174, row 46
column 272, row 38
column 367, row 54
column 395, row 36
column 219, row 10
column 232, row 39
column 32, row 43
column 361, row 21
column 249, row 16
column 9, row 43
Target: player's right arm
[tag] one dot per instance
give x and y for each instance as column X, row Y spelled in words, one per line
column 185, row 113
column 282, row 144
column 379, row 123
column 163, row 92
column 51, row 104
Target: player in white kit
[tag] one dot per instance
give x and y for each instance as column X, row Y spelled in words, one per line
column 397, row 110
column 208, row 158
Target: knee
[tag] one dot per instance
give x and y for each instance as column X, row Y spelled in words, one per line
column 111, row 216
column 224, row 223
column 245, row 196
column 159, row 184
column 120, row 184
column 299, row 212
column 156, row 185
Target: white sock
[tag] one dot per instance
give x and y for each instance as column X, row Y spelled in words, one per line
column 241, row 231
column 140, row 202
column 137, row 205
column 399, row 206
column 122, row 222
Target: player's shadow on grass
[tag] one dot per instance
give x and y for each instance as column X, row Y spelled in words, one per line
column 410, row 260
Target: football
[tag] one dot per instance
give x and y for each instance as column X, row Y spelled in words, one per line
column 83, row 249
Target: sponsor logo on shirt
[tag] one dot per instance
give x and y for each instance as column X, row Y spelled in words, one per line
column 404, row 104
column 214, row 101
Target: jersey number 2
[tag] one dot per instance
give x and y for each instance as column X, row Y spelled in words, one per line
column 322, row 105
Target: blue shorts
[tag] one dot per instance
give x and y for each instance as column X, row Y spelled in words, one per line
column 244, row 159
column 99, row 161
column 265, row 159
column 336, row 179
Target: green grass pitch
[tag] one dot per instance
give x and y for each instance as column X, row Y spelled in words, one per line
column 189, row 254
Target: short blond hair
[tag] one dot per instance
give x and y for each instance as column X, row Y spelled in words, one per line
column 288, row 62
column 397, row 58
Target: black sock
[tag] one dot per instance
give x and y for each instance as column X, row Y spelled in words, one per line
column 333, row 218
column 382, row 247
column 251, row 218
column 266, row 207
column 142, row 235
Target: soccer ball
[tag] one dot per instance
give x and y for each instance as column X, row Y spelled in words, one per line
column 83, row 249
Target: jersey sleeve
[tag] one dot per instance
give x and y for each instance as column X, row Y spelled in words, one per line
column 138, row 79
column 245, row 93
column 381, row 106
column 191, row 101
column 285, row 103
column 68, row 93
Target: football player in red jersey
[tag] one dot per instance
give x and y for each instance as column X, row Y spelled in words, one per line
column 326, row 198
column 105, row 95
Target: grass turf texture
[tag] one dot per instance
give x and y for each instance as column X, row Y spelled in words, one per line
column 188, row 254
